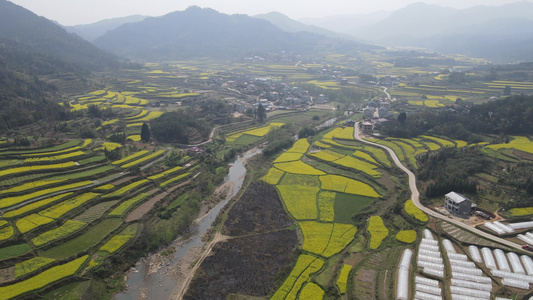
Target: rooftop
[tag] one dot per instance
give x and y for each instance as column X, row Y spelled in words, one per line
column 456, row 197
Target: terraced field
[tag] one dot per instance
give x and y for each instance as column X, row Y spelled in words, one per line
column 67, row 215
column 323, row 205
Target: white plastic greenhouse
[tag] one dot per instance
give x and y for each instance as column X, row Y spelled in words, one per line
column 515, row 283
column 504, row 227
column 433, row 259
column 500, row 298
column 525, row 238
column 402, row 289
column 516, row 265
column 474, row 252
column 473, row 278
column 426, row 264
column 436, row 273
column 528, row 264
column 463, row 297
column 429, row 253
column 429, row 247
column 521, row 225
column 509, row 275
column 448, row 246
column 426, row 281
column 503, row 265
column 430, row 242
column 488, row 258
column 473, row 285
column 428, row 235
column 434, row 290
column 529, row 234
column 465, row 270
column 462, row 263
column 456, row 256
column 470, row 292
column 494, row 228
column 426, row 296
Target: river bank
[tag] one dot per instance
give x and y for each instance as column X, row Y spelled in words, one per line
column 166, row 273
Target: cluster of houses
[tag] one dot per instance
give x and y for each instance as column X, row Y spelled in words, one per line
column 270, row 94
column 375, row 114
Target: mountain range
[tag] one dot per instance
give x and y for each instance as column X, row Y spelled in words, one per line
column 203, row 32
column 501, row 34
column 45, row 37
column 92, row 31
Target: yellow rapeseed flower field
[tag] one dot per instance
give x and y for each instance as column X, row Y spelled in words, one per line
column 519, row 143
column 326, row 206
column 273, row 176
column 300, row 146
column 43, row 279
column 347, row 185
column 311, row 291
column 298, row 167
column 378, row 231
column 300, row 201
column 406, row 236
column 342, row 282
column 415, row 212
column 300, row 274
column 115, row 243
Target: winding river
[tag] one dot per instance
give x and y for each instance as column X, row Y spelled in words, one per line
column 143, row 284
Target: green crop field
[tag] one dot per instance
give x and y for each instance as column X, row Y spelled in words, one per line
column 83, row 242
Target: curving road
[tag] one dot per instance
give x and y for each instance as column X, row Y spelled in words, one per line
column 415, row 196
column 387, row 93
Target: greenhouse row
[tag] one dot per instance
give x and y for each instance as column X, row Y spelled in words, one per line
column 503, row 265
column 525, row 238
column 473, row 285
column 428, row 235
column 402, row 289
column 521, row 225
column 470, row 292
column 426, row 296
column 429, row 257
column 495, row 228
column 474, row 252
column 467, row 280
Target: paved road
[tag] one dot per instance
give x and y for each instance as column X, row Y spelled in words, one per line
column 387, row 93
column 415, row 196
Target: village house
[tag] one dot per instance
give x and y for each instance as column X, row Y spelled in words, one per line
column 457, row 204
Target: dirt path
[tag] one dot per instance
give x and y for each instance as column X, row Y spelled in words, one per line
column 190, row 275
column 416, row 200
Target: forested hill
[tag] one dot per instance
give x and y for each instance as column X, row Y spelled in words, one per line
column 30, row 47
column 24, row 98
column 509, row 116
column 45, row 37
column 198, row 32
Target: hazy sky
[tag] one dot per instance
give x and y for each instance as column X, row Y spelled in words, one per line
column 74, row 12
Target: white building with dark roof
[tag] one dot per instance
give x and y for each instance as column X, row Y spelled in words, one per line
column 457, row 204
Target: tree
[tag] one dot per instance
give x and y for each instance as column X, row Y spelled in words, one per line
column 305, row 132
column 261, row 113
column 145, row 133
column 507, row 90
column 402, row 117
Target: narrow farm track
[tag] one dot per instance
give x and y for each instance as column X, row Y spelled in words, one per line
column 415, row 196
column 186, row 283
